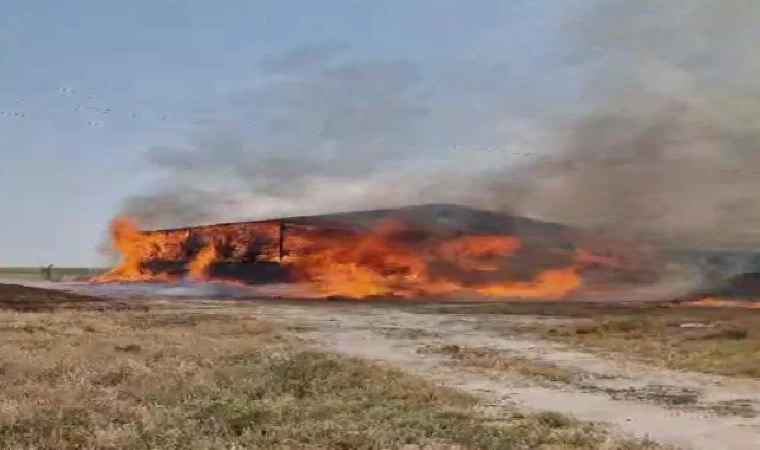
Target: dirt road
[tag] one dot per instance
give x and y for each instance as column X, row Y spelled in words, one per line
column 399, row 338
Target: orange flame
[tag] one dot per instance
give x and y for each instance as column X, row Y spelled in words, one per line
column 135, row 248
column 198, row 267
column 390, row 259
column 716, row 302
column 550, row 283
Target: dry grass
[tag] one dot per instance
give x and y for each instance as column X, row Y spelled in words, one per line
column 189, row 380
column 724, row 342
column 500, row 361
column 546, row 308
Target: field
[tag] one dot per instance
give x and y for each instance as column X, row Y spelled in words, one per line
column 723, row 341
column 207, row 373
column 198, row 376
column 57, row 273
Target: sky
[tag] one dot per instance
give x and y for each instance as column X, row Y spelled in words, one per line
column 88, row 87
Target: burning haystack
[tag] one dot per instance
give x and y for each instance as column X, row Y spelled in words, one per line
column 412, row 251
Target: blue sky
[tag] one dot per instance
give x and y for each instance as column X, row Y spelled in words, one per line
column 86, row 87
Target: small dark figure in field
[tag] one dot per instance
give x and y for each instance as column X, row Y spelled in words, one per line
column 47, row 272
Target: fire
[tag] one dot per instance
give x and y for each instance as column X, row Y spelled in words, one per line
column 550, row 283
column 474, row 251
column 199, row 266
column 357, row 264
column 139, row 249
column 392, row 258
column 135, row 248
column 716, row 302
column 379, row 263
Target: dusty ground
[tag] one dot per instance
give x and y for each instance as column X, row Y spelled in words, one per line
column 29, row 298
column 635, row 398
column 491, row 357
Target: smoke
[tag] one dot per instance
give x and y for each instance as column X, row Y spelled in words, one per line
column 306, row 135
column 317, row 132
column 667, row 142
column 661, row 141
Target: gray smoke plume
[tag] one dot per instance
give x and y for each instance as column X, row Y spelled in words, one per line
column 666, row 142
column 316, row 134
column 662, row 140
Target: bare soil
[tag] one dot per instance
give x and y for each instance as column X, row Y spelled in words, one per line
column 17, row 297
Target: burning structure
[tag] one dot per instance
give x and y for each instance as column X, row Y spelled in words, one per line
column 413, row 251
column 661, row 146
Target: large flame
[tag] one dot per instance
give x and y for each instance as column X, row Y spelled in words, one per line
column 392, row 258
column 135, row 248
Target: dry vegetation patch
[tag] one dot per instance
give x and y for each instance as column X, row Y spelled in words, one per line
column 193, row 380
column 723, row 341
column 721, row 345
